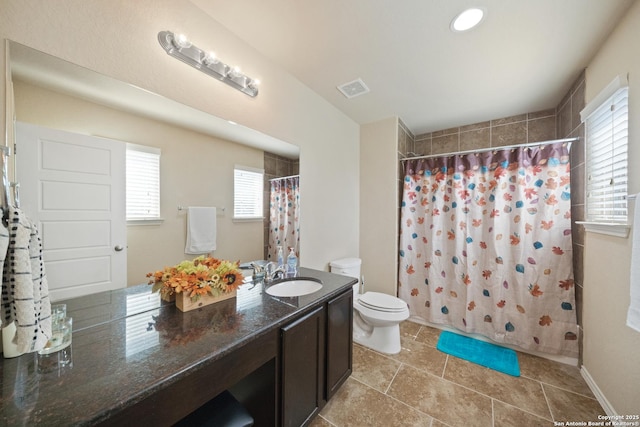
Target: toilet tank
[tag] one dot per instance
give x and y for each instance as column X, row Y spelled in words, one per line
column 346, row 266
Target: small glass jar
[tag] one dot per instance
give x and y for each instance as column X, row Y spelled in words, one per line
column 61, row 333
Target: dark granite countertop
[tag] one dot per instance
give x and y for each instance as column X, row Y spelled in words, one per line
column 128, row 344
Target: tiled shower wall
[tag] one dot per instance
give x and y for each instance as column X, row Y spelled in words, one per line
column 274, row 167
column 568, row 125
column 560, row 122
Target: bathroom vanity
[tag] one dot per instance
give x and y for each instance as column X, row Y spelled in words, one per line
column 137, row 360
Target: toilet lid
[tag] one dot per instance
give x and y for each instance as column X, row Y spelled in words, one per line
column 382, row 302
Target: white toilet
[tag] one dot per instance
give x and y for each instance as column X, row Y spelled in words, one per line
column 376, row 316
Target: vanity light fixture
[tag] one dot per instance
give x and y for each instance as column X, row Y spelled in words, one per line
column 467, row 19
column 181, row 48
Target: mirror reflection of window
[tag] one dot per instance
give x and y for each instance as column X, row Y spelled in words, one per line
column 139, row 336
column 143, row 183
column 248, row 188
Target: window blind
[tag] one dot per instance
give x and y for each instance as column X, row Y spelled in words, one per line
column 143, row 182
column 607, row 167
column 248, row 187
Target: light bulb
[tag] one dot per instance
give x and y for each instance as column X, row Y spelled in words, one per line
column 181, row 41
column 210, row 58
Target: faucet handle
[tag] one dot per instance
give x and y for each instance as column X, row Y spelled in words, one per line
column 257, row 268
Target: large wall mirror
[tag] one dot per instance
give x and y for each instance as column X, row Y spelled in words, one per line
column 199, row 153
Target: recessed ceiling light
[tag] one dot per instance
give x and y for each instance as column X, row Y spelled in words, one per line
column 467, row 19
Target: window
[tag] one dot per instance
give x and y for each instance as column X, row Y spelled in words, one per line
column 248, row 187
column 606, row 161
column 143, row 183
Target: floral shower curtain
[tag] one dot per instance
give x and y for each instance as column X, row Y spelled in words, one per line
column 485, row 245
column 284, row 216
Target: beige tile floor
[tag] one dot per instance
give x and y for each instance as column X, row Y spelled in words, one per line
column 422, row 386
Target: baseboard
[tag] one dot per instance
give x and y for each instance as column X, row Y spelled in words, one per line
column 556, row 358
column 606, row 405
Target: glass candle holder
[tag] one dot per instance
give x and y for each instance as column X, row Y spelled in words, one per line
column 61, row 332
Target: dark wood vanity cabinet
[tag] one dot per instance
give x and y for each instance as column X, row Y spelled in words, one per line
column 316, row 359
column 302, row 360
column 339, row 344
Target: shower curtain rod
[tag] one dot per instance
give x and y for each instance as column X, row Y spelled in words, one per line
column 483, row 150
column 284, row 177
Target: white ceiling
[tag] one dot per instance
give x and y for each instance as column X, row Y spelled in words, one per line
column 523, row 57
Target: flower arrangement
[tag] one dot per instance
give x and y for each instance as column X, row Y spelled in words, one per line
column 202, row 276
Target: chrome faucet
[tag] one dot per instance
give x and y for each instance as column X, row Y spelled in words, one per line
column 258, row 272
column 272, row 270
column 268, row 272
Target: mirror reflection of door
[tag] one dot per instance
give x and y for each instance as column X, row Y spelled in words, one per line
column 73, row 187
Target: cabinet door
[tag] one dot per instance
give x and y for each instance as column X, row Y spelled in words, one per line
column 302, row 351
column 339, row 341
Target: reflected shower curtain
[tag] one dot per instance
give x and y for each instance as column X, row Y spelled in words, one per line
column 284, row 216
column 485, row 245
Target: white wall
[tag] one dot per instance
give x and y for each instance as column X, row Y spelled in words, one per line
column 196, row 170
column 119, row 39
column 379, row 205
column 611, row 349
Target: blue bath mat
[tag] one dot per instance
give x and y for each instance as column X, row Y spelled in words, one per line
column 482, row 353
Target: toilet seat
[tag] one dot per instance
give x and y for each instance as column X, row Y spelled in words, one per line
column 382, row 302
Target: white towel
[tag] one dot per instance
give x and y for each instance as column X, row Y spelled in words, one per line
column 25, row 291
column 633, row 315
column 201, row 230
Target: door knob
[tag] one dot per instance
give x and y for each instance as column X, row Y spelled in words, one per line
column 118, row 248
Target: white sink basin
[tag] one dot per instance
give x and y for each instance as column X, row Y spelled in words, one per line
column 294, row 287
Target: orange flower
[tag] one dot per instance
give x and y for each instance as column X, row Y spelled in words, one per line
column 535, row 290
column 566, row 284
column 202, row 276
column 545, row 320
column 546, row 225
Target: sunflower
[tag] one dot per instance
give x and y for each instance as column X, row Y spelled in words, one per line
column 202, row 276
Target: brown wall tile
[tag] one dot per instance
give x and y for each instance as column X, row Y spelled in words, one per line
column 577, row 104
column 509, row 134
column 475, row 126
column 578, row 147
column 422, row 147
column 445, row 144
column 564, row 119
column 475, row 139
column 541, row 114
column 543, row 129
column 577, row 186
column 402, row 142
column 443, row 132
column 507, row 120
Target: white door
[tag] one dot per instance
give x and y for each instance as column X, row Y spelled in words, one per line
column 73, row 187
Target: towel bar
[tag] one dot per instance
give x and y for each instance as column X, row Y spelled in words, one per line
column 182, row 208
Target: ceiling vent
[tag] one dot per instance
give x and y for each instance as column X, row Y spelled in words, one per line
column 353, row 89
